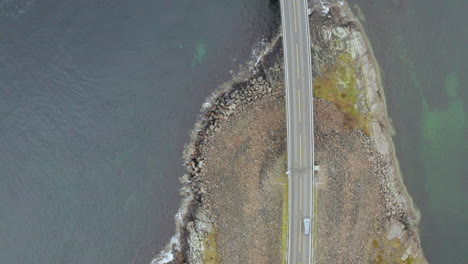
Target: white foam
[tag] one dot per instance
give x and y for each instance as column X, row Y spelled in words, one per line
column 206, row 105
column 163, row 258
column 166, row 256
column 178, row 216
column 258, row 50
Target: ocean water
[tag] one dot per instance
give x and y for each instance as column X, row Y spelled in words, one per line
column 96, row 99
column 422, row 49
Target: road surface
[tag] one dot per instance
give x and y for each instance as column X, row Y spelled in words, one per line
column 299, row 105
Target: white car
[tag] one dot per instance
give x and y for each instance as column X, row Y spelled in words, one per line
column 306, row 226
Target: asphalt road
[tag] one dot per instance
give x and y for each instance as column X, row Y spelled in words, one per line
column 299, row 104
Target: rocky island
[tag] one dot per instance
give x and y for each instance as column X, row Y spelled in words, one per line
column 235, row 205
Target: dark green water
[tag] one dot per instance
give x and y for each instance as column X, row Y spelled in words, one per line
column 422, row 50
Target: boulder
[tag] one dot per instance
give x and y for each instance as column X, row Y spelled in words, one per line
column 230, row 102
column 233, row 94
column 232, row 107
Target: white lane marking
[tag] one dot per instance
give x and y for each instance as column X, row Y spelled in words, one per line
column 285, row 44
column 295, row 20
column 311, row 120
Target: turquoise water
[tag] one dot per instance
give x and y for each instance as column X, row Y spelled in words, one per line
column 421, row 47
column 96, row 99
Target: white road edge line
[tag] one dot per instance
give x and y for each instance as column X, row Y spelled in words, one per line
column 287, row 130
column 295, row 20
column 309, row 71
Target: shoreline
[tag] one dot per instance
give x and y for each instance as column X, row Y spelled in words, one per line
column 417, row 214
column 378, row 105
column 345, row 60
column 194, row 220
column 190, row 205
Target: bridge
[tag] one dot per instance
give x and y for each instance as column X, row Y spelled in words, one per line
column 300, row 124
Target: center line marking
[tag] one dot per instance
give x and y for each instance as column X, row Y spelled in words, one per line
column 297, row 60
column 300, row 194
column 300, row 113
column 300, row 150
column 300, row 235
column 299, row 96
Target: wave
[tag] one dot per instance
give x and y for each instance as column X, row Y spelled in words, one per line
column 167, row 254
column 258, row 50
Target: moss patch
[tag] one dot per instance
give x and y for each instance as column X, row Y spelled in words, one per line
column 210, row 250
column 385, row 251
column 338, row 86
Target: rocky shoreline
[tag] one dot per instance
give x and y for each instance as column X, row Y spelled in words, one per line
column 334, row 33
column 194, row 222
column 339, row 26
column 198, row 220
column 343, row 60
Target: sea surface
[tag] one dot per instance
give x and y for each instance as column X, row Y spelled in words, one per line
column 421, row 46
column 96, row 99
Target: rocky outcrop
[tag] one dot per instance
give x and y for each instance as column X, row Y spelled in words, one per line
column 339, row 34
column 339, row 39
